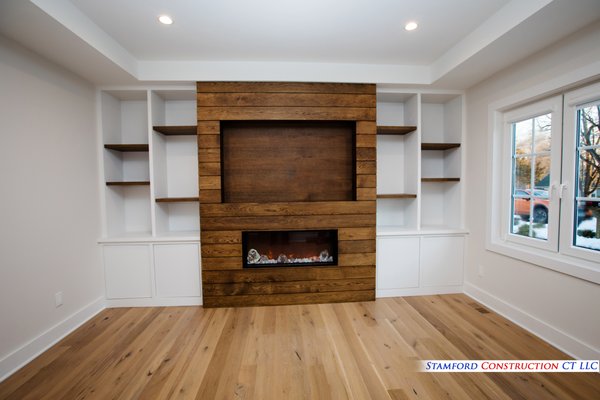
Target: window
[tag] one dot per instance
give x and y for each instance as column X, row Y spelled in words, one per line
column 533, row 137
column 546, row 182
column 587, row 188
column 580, row 222
column 531, row 143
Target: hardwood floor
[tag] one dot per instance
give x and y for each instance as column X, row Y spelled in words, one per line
column 329, row 351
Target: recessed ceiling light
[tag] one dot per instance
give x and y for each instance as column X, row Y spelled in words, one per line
column 411, row 26
column 165, row 19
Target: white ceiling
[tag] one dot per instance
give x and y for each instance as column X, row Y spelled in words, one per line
column 458, row 42
column 333, row 31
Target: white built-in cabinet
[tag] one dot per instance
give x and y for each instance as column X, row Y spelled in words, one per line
column 149, row 165
column 152, row 274
column 420, row 192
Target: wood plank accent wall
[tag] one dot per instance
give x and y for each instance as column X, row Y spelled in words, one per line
column 224, row 282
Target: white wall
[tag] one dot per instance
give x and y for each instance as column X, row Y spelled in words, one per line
column 558, row 307
column 49, row 204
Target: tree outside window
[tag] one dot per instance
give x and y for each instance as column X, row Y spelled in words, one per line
column 587, row 200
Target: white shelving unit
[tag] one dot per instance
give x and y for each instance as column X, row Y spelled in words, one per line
column 175, row 163
column 147, row 140
column 124, row 120
column 441, row 124
column 420, row 192
column 398, row 161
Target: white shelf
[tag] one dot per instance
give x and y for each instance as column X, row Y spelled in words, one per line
column 175, row 162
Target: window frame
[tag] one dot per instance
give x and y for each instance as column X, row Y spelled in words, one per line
column 553, row 106
column 494, row 241
column 572, row 101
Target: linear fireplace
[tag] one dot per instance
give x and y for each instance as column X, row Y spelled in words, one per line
column 289, row 248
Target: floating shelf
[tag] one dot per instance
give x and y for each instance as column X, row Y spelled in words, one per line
column 397, row 196
column 395, row 130
column 439, row 146
column 440, row 179
column 176, row 199
column 171, row 130
column 128, row 183
column 127, row 147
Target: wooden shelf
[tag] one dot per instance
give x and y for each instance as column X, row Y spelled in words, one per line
column 440, row 179
column 171, row 130
column 176, row 199
column 439, row 146
column 127, row 147
column 128, row 183
column 395, row 130
column 397, row 196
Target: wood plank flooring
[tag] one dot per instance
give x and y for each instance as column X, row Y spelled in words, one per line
column 329, row 351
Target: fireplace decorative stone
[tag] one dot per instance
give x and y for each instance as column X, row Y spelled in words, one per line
column 237, row 195
column 261, row 249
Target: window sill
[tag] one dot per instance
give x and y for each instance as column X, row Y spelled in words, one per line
column 576, row 267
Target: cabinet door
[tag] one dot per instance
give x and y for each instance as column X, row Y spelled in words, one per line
column 442, row 261
column 397, row 262
column 177, row 270
column 127, row 271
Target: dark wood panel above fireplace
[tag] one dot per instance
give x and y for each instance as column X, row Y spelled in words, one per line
column 287, row 161
column 244, row 145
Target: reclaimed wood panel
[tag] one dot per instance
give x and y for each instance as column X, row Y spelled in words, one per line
column 209, row 127
column 277, row 161
column 345, row 260
column 206, row 154
column 366, row 154
column 222, row 250
column 285, row 113
column 209, row 169
column 288, row 222
column 366, row 181
column 356, row 246
column 366, row 194
column 221, row 263
column 209, row 141
column 209, row 182
column 288, row 274
column 288, row 299
column 209, row 196
column 366, row 127
column 356, row 233
column 366, row 140
column 223, row 237
column 285, row 100
column 284, row 87
column 224, row 218
column 288, row 209
column 366, row 167
column 336, row 285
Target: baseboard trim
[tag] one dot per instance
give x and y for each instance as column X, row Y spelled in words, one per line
column 26, row 353
column 155, row 302
column 550, row 334
column 420, row 291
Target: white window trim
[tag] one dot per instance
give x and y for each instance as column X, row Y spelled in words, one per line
column 573, row 99
column 551, row 105
column 578, row 268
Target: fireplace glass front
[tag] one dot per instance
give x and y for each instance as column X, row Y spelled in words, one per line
column 262, row 249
